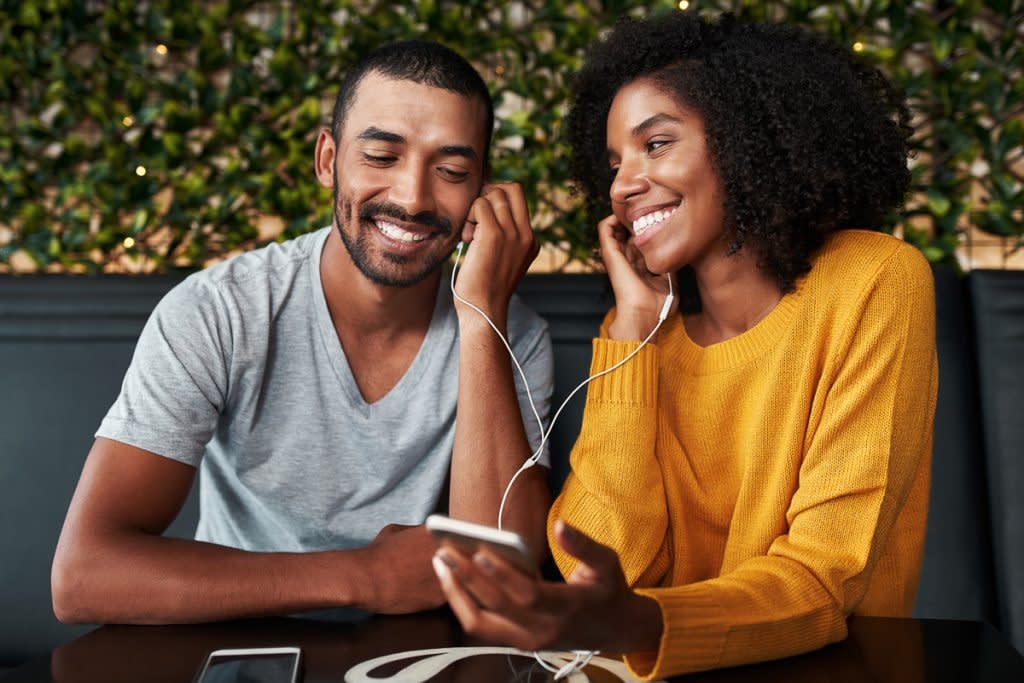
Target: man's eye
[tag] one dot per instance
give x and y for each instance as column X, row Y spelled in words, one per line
column 453, row 174
column 379, row 159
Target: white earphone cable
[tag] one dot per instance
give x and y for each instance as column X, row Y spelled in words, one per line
column 545, row 433
column 582, row 657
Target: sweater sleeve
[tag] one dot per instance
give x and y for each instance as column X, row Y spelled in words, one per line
column 615, row 493
column 868, row 444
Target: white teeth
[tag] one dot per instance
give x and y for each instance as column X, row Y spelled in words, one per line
column 396, row 233
column 644, row 223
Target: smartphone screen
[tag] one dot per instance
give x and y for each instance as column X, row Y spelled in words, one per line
column 255, row 665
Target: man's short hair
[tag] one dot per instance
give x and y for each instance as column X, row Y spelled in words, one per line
column 420, row 61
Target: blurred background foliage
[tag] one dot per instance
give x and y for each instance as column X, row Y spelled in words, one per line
column 155, row 135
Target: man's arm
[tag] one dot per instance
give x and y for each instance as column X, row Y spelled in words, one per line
column 491, row 444
column 490, row 440
column 113, row 566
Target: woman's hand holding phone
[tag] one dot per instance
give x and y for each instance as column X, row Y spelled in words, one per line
column 594, row 609
column 639, row 293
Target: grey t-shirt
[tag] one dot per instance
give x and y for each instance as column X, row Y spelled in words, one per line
column 239, row 371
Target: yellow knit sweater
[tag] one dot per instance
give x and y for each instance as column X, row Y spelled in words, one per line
column 764, row 488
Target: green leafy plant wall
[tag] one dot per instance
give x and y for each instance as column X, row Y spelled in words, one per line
column 155, row 135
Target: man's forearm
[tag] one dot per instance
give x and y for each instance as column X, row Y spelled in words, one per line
column 490, row 441
column 137, row 578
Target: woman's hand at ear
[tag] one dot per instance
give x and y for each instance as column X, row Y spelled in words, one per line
column 639, row 293
column 593, row 610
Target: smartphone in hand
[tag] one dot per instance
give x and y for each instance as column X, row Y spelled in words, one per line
column 469, row 537
column 251, row 665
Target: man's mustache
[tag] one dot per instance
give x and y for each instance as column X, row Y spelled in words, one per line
column 368, row 212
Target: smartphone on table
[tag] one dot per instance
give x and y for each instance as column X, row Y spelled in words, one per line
column 252, row 665
column 469, row 537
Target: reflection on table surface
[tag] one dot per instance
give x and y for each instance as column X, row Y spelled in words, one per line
column 877, row 649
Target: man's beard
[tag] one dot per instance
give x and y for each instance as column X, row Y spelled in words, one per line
column 418, row 266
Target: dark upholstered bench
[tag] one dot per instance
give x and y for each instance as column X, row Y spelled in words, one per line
column 65, row 343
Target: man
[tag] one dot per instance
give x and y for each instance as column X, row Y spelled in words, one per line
column 327, row 386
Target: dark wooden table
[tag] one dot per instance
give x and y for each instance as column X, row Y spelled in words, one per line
column 877, row 650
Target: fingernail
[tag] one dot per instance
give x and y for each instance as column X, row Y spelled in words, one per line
column 484, row 562
column 446, row 558
column 440, row 568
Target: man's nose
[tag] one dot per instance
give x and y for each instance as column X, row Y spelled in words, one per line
column 412, row 191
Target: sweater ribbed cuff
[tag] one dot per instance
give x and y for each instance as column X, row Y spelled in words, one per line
column 693, row 637
column 634, row 383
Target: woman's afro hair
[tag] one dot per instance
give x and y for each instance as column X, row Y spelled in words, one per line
column 805, row 137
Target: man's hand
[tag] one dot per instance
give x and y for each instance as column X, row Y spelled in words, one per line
column 639, row 294
column 397, row 572
column 127, row 496
column 501, row 248
column 593, row 610
column 490, row 440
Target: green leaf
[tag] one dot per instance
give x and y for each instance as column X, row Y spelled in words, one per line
column 934, row 254
column 938, row 204
column 215, row 117
column 139, row 221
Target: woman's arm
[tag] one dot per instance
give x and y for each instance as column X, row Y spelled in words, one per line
column 866, row 464
column 615, row 494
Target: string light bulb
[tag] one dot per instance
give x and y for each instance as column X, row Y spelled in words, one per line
column 128, row 121
column 684, row 4
column 140, row 171
column 128, row 242
column 858, row 46
column 161, row 49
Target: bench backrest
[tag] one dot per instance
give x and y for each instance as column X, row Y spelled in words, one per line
column 65, row 343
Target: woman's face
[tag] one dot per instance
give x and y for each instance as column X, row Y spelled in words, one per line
column 665, row 192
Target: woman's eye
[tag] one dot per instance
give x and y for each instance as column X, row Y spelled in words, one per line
column 655, row 145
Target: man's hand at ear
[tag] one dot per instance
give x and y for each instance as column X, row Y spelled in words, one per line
column 501, row 248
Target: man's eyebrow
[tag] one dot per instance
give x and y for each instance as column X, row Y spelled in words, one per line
column 459, row 151
column 652, row 121
column 374, row 133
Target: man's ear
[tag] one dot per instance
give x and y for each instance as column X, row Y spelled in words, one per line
column 323, row 162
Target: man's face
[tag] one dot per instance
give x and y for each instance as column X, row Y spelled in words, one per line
column 408, row 166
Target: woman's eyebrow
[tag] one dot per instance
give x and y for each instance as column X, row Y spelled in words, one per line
column 652, row 121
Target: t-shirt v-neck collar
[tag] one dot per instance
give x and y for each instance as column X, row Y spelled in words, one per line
column 336, row 352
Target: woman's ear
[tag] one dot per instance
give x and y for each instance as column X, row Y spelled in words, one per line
column 323, row 163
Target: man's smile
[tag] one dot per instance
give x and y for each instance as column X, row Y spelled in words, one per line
column 396, row 232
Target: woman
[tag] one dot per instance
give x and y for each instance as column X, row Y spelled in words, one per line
column 760, row 471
